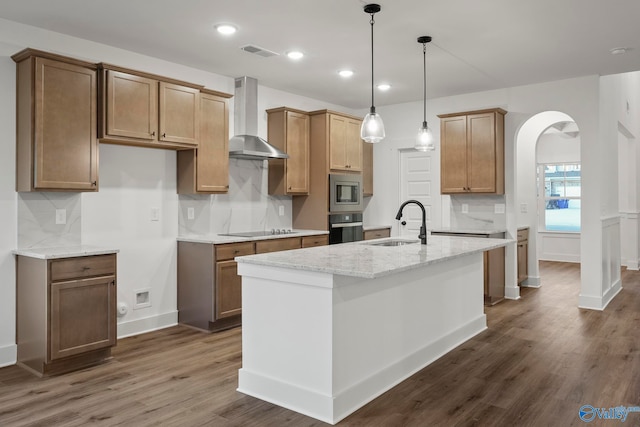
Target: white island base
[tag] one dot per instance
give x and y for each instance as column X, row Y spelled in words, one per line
column 324, row 345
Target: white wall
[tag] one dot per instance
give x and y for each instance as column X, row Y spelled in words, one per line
column 8, row 208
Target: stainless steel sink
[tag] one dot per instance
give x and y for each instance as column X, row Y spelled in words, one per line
column 394, row 243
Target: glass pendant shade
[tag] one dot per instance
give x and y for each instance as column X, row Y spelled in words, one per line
column 372, row 129
column 424, row 140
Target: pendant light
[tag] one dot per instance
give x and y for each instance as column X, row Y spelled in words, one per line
column 372, row 129
column 424, row 140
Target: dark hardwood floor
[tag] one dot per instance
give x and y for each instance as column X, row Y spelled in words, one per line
column 540, row 360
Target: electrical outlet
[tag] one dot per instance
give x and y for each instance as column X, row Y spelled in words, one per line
column 465, row 208
column 523, row 208
column 499, row 208
column 281, row 210
column 142, row 298
column 155, row 214
column 191, row 213
column 61, row 216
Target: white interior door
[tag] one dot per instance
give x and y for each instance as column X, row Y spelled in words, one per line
column 417, row 182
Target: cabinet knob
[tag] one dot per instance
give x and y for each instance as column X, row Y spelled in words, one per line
column 94, row 183
column 164, row 134
column 236, row 251
column 289, row 187
column 113, row 283
column 153, row 133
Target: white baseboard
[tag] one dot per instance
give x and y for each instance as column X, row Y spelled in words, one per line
column 147, row 324
column 600, row 303
column 512, row 293
column 8, row 355
column 531, row 282
column 631, row 265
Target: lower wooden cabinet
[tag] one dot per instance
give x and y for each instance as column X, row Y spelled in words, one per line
column 209, row 288
column 377, row 233
column 66, row 312
column 494, row 265
column 523, row 255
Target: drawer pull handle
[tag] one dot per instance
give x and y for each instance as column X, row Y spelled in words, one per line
column 85, row 268
column 236, row 251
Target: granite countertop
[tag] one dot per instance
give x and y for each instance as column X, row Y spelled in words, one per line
column 463, row 230
column 218, row 239
column 361, row 259
column 64, row 251
column 374, row 227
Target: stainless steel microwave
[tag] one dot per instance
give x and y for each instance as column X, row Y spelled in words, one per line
column 345, row 193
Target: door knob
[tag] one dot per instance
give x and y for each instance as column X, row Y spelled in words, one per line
column 404, row 223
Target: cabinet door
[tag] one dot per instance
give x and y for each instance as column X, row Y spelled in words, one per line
column 367, row 168
column 179, row 114
column 131, row 106
column 297, row 147
column 353, row 147
column 212, row 156
column 65, row 145
column 481, row 158
column 228, row 289
column 338, row 142
column 82, row 314
column 523, row 254
column 453, row 149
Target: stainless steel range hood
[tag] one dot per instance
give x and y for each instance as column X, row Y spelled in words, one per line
column 245, row 143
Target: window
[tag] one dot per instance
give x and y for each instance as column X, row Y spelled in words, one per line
column 559, row 190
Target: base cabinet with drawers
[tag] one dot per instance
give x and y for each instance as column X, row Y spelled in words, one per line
column 66, row 312
column 209, row 287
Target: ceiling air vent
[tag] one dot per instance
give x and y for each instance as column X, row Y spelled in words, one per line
column 258, row 50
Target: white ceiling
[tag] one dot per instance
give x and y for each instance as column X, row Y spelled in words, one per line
column 477, row 45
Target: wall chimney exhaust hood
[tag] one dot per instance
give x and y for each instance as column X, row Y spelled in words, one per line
column 246, row 144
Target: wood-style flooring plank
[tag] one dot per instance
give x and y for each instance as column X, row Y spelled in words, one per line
column 540, row 359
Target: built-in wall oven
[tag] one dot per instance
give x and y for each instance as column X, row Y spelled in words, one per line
column 345, row 227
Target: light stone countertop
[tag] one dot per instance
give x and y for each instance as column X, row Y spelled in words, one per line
column 217, row 239
column 361, row 259
column 374, row 227
column 462, row 230
column 64, row 251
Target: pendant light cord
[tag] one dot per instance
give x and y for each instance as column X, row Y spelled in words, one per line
column 373, row 108
column 424, row 92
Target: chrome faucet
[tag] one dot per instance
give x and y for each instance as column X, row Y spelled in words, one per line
column 423, row 228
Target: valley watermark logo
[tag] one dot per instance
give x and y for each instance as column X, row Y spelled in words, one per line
column 588, row 413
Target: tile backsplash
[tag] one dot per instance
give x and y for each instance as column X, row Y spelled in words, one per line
column 37, row 226
column 246, row 207
column 480, row 211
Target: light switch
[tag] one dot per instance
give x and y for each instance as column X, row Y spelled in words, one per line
column 191, row 213
column 281, row 210
column 155, row 214
column 499, row 208
column 61, row 216
column 465, row 208
column 523, row 208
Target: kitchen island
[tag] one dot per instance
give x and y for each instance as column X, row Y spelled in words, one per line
column 327, row 329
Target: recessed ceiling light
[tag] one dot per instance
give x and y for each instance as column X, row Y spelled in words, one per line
column 384, row 86
column 345, row 73
column 618, row 50
column 226, row 29
column 295, row 54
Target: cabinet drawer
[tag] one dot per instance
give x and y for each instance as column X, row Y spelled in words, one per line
column 311, row 241
column 523, row 235
column 264, row 246
column 232, row 250
column 377, row 234
column 79, row 267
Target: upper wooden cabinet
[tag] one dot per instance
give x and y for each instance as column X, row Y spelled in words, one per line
column 472, row 152
column 367, row 169
column 288, row 130
column 56, row 123
column 206, row 169
column 345, row 145
column 148, row 110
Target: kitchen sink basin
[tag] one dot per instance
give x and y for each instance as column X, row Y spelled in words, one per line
column 394, row 243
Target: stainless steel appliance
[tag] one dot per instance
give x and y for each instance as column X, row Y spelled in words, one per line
column 345, row 193
column 345, row 227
